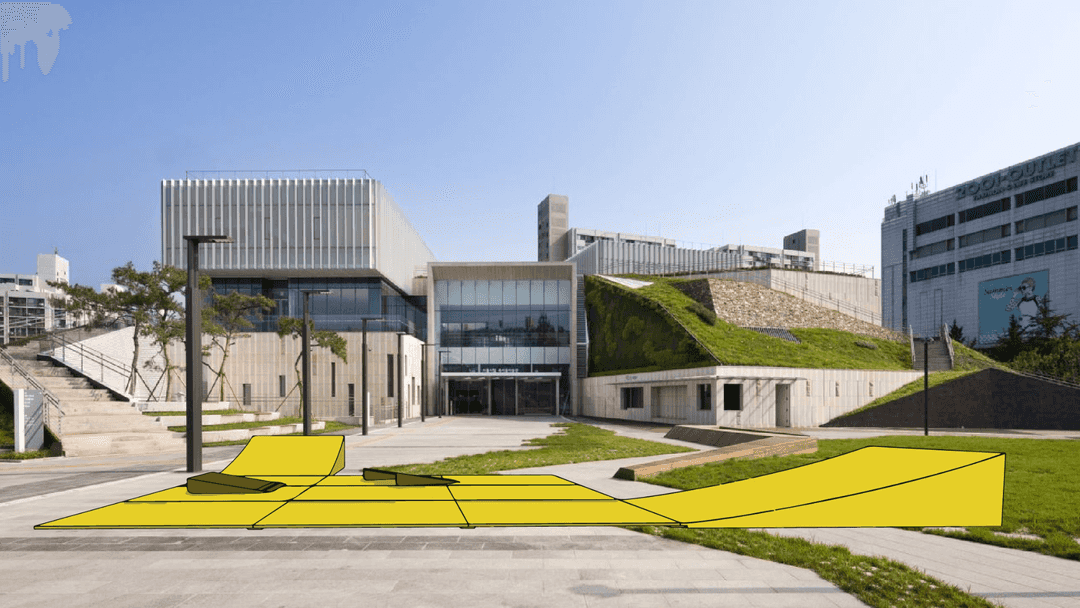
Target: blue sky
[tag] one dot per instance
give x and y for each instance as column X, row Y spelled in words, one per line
column 706, row 122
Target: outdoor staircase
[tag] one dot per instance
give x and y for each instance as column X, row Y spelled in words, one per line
column 938, row 354
column 95, row 421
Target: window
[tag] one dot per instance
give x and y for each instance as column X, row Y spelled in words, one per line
column 704, row 396
column 932, row 249
column 989, row 259
column 633, row 397
column 1044, row 192
column 983, row 210
column 984, row 236
column 934, row 225
column 26, row 281
column 1035, row 250
column 389, row 375
column 352, row 399
column 333, row 379
column 732, row 397
column 281, row 386
column 933, row 272
column 247, row 394
column 1046, row 220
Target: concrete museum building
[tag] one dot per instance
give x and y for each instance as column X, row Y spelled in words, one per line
column 985, row 250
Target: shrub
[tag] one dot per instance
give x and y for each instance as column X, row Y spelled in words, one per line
column 707, row 316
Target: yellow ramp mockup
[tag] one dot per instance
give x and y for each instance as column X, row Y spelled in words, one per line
column 291, row 482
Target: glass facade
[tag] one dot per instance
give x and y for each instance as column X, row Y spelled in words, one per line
column 342, row 310
column 512, row 335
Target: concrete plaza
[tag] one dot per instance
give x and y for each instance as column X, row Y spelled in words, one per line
column 434, row 567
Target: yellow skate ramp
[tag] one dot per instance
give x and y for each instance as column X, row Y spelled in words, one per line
column 290, row 455
column 873, row 486
column 868, row 487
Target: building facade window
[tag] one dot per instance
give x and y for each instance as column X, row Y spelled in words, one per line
column 935, row 224
column 1051, row 246
column 933, row 272
column 1044, row 192
column 333, row 379
column 390, row 375
column 732, row 397
column 633, row 397
column 704, row 392
column 281, row 386
column 1046, row 220
column 932, row 249
column 989, row 259
column 984, row 236
column 983, row 210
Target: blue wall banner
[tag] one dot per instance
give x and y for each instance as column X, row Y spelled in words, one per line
column 1019, row 295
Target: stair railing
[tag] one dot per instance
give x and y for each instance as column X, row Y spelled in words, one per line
column 947, row 339
column 911, row 343
column 93, row 364
column 54, row 414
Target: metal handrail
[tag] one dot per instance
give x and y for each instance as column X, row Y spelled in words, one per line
column 1046, row 378
column 50, row 399
column 103, row 361
column 947, row 339
column 911, row 343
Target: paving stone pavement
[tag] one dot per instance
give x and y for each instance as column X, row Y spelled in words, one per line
column 438, row 567
column 413, row 568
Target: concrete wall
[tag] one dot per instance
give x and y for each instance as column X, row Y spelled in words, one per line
column 853, row 295
column 261, row 359
column 816, row 395
column 100, row 358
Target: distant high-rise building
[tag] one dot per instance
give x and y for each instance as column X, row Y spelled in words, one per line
column 805, row 240
column 25, row 299
column 553, row 223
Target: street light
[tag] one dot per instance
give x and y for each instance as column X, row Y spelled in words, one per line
column 926, row 385
column 306, row 338
column 193, row 348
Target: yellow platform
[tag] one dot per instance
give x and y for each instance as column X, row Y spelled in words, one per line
column 874, row 486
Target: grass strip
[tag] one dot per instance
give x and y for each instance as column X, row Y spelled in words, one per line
column 25, row 455
column 331, row 426
column 1042, row 484
column 875, row 581
column 577, row 443
column 243, row 425
column 205, row 413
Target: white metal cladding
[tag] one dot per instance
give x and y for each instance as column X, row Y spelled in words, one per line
column 604, row 257
column 292, row 224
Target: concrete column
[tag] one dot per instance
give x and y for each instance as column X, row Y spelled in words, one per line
column 556, row 395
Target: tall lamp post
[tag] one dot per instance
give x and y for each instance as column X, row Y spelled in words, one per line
column 926, row 385
column 193, row 349
column 306, row 373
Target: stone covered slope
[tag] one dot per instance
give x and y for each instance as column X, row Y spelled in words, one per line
column 751, row 305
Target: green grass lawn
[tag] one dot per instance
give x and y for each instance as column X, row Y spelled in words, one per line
column 1042, row 484
column 243, row 425
column 875, row 581
column 820, row 348
column 205, row 413
column 331, row 425
column 577, row 443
